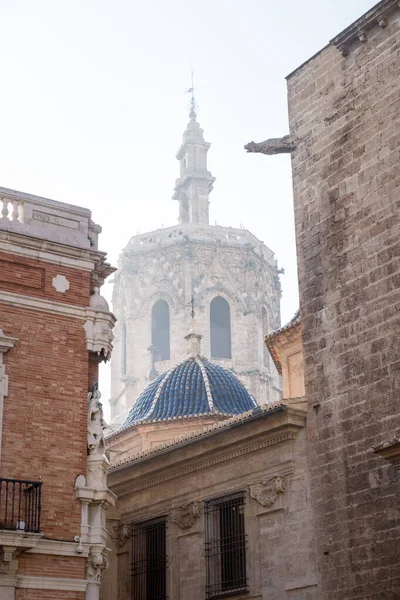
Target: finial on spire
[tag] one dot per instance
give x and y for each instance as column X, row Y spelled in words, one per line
column 193, row 104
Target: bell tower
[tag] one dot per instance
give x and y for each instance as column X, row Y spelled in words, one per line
column 229, row 276
column 195, row 183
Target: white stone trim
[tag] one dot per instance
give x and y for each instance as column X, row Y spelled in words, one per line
column 58, row 548
column 51, row 583
column 57, row 308
column 49, row 257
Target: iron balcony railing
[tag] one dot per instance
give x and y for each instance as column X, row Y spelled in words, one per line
column 20, row 504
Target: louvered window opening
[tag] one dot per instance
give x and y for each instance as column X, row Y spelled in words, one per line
column 225, row 546
column 149, row 565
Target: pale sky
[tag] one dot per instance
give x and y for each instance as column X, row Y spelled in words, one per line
column 93, row 108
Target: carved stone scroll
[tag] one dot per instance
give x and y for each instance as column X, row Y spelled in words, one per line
column 186, row 515
column 267, row 492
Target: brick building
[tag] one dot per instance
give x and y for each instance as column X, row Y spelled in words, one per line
column 54, row 330
column 344, row 115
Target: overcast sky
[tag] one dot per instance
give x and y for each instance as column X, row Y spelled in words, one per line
column 93, row 107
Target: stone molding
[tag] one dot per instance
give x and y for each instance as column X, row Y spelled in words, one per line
column 43, row 305
column 51, row 583
column 57, row 548
column 357, row 31
column 186, row 515
column 267, row 491
column 98, row 324
column 50, row 252
column 284, row 437
column 390, row 451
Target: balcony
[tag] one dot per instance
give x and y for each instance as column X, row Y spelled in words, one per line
column 20, row 505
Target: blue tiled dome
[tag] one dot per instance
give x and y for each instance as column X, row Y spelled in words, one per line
column 194, row 388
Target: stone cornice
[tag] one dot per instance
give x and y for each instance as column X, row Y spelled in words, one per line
column 51, row 251
column 59, row 548
column 51, row 583
column 390, row 451
column 50, row 306
column 357, row 31
column 283, row 429
column 198, row 466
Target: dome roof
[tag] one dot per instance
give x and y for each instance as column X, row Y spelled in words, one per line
column 195, row 388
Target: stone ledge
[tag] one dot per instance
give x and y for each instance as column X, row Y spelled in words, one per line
column 51, row 583
column 58, row 548
column 19, row 539
column 357, row 30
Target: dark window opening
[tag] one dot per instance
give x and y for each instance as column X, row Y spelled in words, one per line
column 225, row 546
column 160, row 330
column 149, row 564
column 220, row 328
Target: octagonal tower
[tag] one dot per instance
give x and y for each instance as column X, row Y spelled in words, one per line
column 226, row 277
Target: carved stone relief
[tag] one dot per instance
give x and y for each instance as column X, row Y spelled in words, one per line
column 123, row 532
column 96, row 563
column 186, row 515
column 268, row 491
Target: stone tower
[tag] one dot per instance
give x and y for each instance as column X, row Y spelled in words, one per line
column 226, row 277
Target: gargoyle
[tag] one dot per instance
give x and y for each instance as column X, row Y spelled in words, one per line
column 282, row 145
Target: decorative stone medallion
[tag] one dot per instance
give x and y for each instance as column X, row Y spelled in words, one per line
column 60, row 283
column 186, row 515
column 268, row 491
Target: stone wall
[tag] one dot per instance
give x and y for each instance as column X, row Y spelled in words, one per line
column 345, row 111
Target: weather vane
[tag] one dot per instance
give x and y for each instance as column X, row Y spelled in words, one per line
column 193, row 104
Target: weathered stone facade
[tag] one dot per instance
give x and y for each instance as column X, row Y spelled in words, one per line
column 344, row 110
column 53, row 334
column 263, row 455
column 194, row 261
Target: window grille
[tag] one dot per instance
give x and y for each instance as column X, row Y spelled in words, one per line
column 149, row 564
column 225, row 546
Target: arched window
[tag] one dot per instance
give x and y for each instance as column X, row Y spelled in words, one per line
column 124, row 348
column 220, row 328
column 160, row 330
column 265, row 330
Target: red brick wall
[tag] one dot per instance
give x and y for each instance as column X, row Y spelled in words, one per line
column 45, row 412
column 346, row 178
column 33, row 277
column 44, row 565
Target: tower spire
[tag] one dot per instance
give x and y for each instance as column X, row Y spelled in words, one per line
column 195, row 183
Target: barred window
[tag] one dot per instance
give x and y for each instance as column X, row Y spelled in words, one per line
column 149, row 564
column 225, row 546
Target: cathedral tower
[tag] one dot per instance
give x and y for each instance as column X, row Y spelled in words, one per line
column 225, row 276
